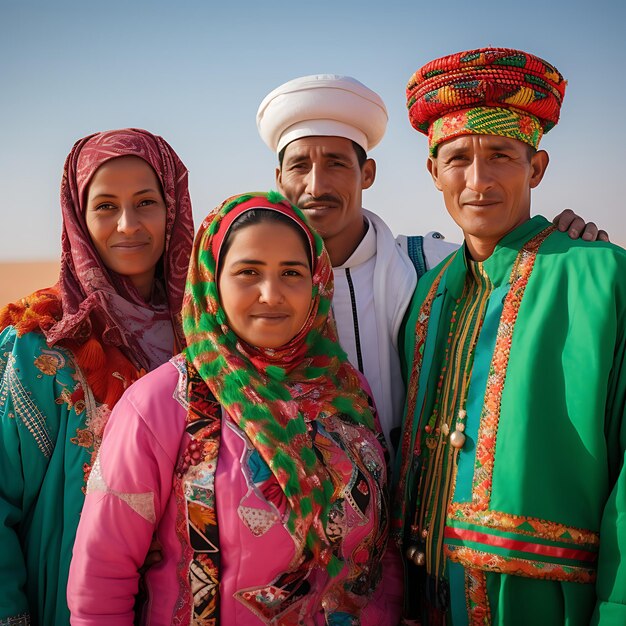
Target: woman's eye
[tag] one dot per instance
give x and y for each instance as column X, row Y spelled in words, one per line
column 147, row 202
column 105, row 206
column 292, row 273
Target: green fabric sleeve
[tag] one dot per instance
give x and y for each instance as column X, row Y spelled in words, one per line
column 46, row 440
column 611, row 584
column 33, row 379
column 13, row 600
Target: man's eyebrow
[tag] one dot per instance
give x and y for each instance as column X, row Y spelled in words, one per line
column 327, row 155
column 451, row 151
column 297, row 157
column 500, row 146
column 337, row 155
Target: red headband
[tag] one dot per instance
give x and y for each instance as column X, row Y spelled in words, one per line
column 258, row 202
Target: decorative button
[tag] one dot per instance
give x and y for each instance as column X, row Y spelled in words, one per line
column 410, row 552
column 457, row 439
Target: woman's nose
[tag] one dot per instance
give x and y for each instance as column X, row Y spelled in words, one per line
column 128, row 222
column 271, row 291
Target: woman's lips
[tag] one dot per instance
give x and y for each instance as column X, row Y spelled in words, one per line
column 129, row 244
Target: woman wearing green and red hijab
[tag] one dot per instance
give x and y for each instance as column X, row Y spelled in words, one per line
column 254, row 455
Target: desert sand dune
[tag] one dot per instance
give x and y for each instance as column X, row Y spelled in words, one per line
column 21, row 278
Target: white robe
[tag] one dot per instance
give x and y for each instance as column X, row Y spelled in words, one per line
column 373, row 289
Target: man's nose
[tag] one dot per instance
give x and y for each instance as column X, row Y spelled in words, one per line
column 479, row 176
column 316, row 182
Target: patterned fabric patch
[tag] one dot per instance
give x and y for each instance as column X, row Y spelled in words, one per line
column 284, row 598
column 258, row 521
column 204, row 584
column 141, row 503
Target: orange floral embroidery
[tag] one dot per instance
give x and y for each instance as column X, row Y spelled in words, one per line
column 527, row 568
column 47, row 364
column 476, row 599
column 74, row 399
column 528, row 526
column 489, row 420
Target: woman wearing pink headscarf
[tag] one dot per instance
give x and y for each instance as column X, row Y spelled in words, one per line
column 67, row 353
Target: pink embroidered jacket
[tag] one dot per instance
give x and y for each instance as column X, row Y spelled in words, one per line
column 130, row 499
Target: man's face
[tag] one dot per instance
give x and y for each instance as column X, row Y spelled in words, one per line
column 322, row 176
column 486, row 182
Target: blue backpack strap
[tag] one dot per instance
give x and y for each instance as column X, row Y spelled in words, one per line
column 415, row 249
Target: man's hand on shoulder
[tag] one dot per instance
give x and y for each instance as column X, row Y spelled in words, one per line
column 576, row 227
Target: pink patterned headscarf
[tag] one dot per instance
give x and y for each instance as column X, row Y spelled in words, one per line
column 96, row 298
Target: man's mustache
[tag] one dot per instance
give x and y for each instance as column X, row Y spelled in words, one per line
column 310, row 201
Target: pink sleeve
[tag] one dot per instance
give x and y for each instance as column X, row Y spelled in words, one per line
column 127, row 493
column 385, row 607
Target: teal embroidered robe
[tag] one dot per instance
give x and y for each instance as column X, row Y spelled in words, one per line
column 44, row 450
column 534, row 529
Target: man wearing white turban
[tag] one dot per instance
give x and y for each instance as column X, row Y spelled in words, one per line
column 322, row 128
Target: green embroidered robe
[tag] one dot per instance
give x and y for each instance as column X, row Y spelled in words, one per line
column 47, row 423
column 526, row 524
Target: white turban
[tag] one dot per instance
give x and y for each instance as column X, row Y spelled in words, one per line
column 324, row 105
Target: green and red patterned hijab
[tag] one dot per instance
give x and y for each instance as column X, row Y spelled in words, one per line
column 274, row 394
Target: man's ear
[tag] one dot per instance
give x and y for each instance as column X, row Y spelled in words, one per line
column 539, row 164
column 368, row 174
column 279, row 179
column 433, row 169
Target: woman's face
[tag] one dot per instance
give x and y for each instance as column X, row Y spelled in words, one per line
column 265, row 284
column 125, row 217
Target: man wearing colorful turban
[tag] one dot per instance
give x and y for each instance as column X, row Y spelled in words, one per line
column 511, row 487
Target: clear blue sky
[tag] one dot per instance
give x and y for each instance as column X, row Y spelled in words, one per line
column 195, row 72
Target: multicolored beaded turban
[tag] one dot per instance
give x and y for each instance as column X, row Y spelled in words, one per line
column 491, row 91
